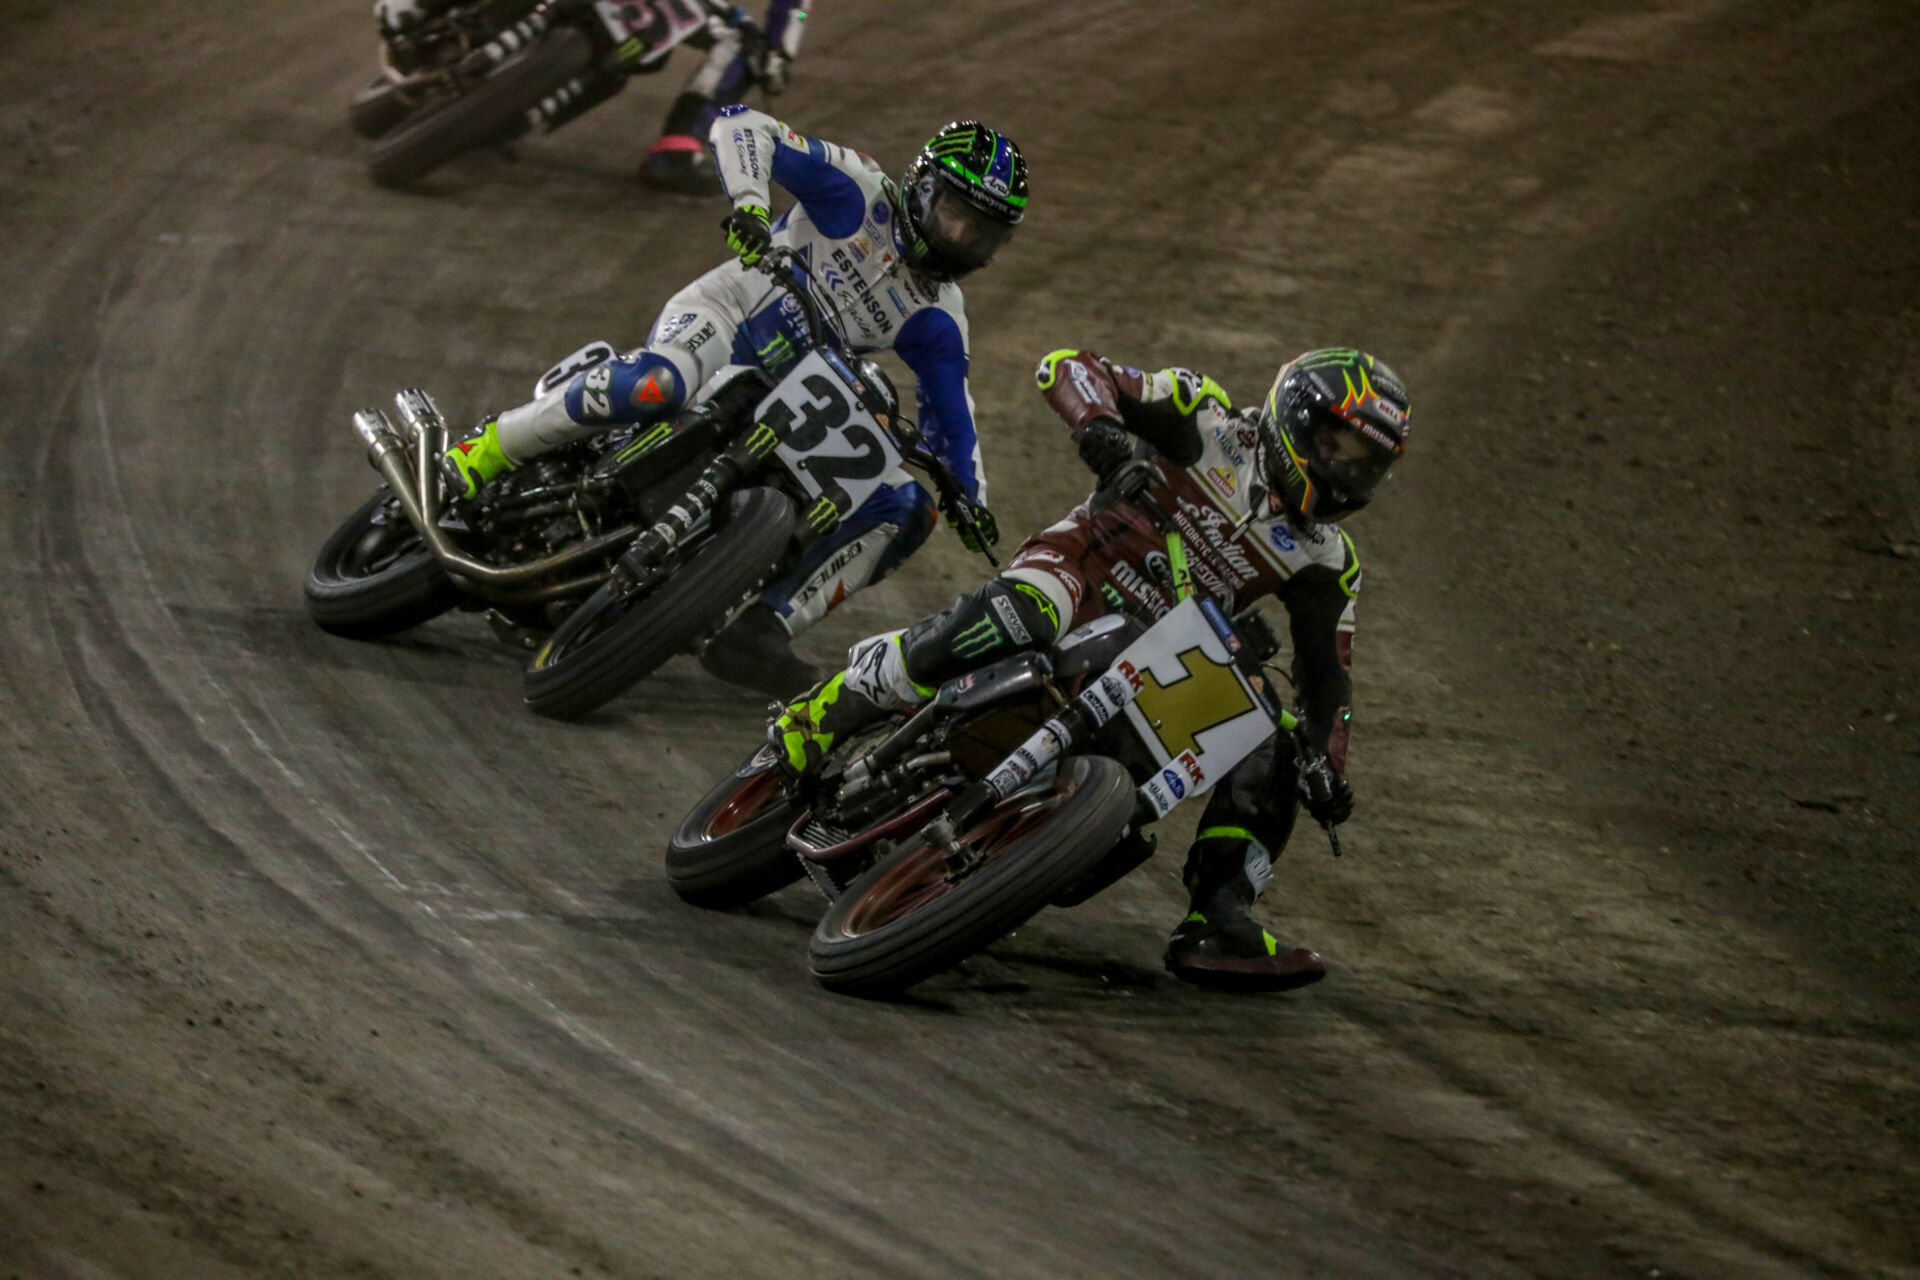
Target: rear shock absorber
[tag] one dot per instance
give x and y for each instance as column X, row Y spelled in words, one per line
column 514, row 38
column 576, row 97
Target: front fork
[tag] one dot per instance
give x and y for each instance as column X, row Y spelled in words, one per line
column 739, row 461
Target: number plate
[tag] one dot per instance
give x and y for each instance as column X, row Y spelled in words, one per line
column 585, row 358
column 835, row 449
column 1192, row 708
column 657, row 24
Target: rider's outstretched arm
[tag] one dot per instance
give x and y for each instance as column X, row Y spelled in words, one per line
column 753, row 151
column 1162, row 408
column 1319, row 602
column 933, row 343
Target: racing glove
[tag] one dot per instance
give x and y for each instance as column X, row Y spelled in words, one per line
column 748, row 233
column 983, row 532
column 1105, row 447
column 1326, row 793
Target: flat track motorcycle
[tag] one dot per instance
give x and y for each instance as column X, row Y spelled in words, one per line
column 1024, row 784
column 461, row 74
column 608, row 556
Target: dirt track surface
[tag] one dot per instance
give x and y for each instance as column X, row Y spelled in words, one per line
column 328, row 959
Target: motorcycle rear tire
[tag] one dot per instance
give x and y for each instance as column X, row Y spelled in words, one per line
column 493, row 111
column 731, row 848
column 350, row 599
column 607, row 644
column 901, row 921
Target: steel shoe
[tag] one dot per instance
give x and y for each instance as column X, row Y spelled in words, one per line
column 1235, row 954
column 679, row 162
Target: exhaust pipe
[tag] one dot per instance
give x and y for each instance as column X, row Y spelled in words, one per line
column 418, row 488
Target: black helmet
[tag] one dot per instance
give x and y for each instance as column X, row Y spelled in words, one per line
column 1333, row 425
column 962, row 195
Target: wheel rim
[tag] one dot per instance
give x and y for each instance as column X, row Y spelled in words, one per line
column 758, row 797
column 920, row 877
column 571, row 635
column 379, row 548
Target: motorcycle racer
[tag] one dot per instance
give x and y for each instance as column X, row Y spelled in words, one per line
column 888, row 258
column 1258, row 497
column 679, row 161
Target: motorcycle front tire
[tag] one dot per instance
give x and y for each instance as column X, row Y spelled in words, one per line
column 607, row 643
column 376, row 108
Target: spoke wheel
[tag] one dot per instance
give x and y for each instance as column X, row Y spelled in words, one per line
column 913, row 914
column 731, row 848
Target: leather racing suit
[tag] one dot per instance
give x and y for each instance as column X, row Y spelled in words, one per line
column 1239, row 548
column 845, row 229
column 727, row 72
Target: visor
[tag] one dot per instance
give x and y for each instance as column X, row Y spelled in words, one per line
column 1347, row 465
column 960, row 233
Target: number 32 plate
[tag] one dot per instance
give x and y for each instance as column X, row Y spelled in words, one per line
column 833, row 446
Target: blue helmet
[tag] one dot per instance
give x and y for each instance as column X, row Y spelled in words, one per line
column 962, row 196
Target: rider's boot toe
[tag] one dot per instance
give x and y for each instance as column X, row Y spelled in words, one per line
column 1237, row 954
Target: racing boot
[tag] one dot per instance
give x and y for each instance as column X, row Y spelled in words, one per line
column 680, row 162
column 808, row 729
column 756, row 651
column 1220, row 944
column 473, row 463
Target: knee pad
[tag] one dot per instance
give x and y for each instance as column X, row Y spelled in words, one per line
column 1000, row 618
column 646, row 388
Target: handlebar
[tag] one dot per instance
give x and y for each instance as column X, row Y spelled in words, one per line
column 1132, row 483
column 933, row 471
column 778, row 264
column 783, row 267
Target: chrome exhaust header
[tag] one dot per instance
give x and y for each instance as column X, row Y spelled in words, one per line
column 417, row 486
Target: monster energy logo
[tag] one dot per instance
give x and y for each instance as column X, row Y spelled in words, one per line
column 1332, row 356
column 644, row 443
column 777, row 353
column 982, row 637
column 762, row 441
column 824, row 515
column 953, row 144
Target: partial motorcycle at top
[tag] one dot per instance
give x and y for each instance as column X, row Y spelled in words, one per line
column 607, row 557
column 456, row 75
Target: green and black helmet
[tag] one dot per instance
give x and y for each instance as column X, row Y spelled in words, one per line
column 962, row 195
column 1333, row 425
